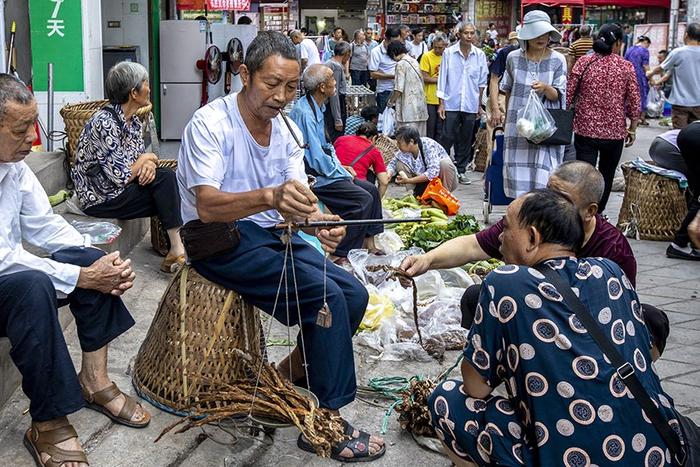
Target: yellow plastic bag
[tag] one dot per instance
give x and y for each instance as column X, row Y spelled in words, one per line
column 379, row 308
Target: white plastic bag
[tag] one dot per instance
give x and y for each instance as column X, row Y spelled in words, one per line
column 655, row 103
column 534, row 122
column 387, row 122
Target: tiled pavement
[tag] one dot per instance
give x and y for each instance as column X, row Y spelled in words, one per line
column 672, row 285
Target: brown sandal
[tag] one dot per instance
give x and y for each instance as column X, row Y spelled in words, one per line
column 37, row 442
column 98, row 400
column 172, row 263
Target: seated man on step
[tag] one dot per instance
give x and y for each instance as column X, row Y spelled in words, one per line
column 584, row 185
column 32, row 288
column 241, row 165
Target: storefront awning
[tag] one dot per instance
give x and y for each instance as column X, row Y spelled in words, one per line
column 630, row 3
column 593, row 3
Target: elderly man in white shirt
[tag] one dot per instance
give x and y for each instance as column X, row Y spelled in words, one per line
column 308, row 52
column 241, row 169
column 461, row 83
column 381, row 67
column 33, row 287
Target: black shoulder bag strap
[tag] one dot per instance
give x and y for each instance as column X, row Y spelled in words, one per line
column 361, row 155
column 625, row 370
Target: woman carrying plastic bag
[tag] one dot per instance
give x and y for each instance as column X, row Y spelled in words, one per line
column 534, row 80
column 387, row 122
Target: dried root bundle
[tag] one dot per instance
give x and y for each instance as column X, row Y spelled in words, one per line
column 275, row 398
column 414, row 415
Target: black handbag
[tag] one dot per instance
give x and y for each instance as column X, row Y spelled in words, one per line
column 565, row 126
column 687, row 454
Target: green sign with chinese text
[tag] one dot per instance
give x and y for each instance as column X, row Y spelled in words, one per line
column 57, row 37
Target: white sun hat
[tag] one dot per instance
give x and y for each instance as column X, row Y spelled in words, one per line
column 536, row 23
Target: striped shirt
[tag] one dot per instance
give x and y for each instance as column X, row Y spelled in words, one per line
column 580, row 47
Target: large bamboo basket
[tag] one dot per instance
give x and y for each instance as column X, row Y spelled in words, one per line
column 195, row 333
column 653, row 205
column 159, row 237
column 75, row 116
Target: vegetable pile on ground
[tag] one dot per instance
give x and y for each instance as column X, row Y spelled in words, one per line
column 482, row 268
column 431, row 234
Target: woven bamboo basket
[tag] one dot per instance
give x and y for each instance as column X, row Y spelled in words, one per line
column 75, row 116
column 481, row 150
column 194, row 334
column 159, row 237
column 653, row 206
column 387, row 147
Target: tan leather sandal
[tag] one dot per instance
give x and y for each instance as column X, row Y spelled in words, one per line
column 37, row 442
column 99, row 399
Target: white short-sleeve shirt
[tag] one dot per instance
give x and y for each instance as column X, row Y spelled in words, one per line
column 218, row 150
column 309, row 52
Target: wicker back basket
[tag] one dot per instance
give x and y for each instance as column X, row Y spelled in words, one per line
column 481, row 150
column 387, row 147
column 159, row 237
column 653, row 206
column 75, row 116
column 197, row 331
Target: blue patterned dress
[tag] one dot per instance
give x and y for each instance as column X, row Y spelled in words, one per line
column 566, row 404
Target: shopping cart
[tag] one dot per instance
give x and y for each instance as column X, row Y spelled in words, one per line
column 493, row 177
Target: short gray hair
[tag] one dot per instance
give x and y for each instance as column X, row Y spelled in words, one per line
column 585, row 30
column 295, row 33
column 439, row 38
column 122, row 78
column 464, row 24
column 586, row 179
column 341, row 48
column 13, row 90
column 314, row 76
column 267, row 44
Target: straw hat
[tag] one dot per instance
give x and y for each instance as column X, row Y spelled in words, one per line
column 512, row 36
column 536, row 23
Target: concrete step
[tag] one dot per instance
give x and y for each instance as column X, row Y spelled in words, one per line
column 49, row 169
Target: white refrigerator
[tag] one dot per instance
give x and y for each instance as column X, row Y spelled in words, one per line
column 182, row 44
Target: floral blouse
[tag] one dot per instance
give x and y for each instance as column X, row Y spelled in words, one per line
column 106, row 150
column 607, row 93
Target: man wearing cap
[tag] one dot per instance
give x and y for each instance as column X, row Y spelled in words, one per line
column 461, row 84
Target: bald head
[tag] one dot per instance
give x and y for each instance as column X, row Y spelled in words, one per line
column 587, row 183
column 316, row 75
column 296, row 36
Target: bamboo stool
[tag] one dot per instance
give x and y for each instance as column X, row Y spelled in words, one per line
column 653, row 207
column 75, row 116
column 195, row 335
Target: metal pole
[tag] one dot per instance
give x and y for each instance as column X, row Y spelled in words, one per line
column 49, row 109
column 673, row 24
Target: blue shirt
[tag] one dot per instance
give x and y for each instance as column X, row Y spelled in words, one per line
column 310, row 122
column 525, row 336
column 498, row 66
column 461, row 79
